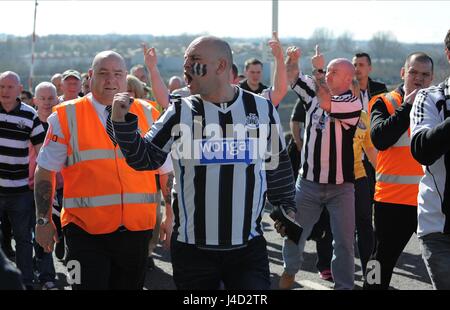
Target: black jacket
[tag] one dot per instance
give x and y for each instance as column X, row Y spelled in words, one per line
column 386, row 129
column 244, row 85
column 376, row 88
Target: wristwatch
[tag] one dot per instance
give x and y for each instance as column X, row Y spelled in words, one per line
column 42, row 221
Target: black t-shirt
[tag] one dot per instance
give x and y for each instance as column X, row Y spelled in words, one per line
column 244, row 85
column 45, row 125
column 298, row 113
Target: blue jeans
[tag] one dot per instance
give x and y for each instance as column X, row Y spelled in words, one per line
column 339, row 200
column 20, row 209
column 436, row 254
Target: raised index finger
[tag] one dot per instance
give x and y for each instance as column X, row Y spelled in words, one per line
column 144, row 46
column 317, row 50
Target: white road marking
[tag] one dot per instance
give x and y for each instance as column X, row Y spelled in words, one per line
column 313, row 285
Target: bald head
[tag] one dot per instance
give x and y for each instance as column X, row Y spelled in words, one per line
column 218, row 47
column 345, row 64
column 45, row 98
column 207, row 68
column 111, row 55
column 340, row 73
column 108, row 76
column 14, row 77
column 175, row 82
column 45, row 86
column 10, row 89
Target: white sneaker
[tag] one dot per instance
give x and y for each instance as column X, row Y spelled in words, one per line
column 49, row 286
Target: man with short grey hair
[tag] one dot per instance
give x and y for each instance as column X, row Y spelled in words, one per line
column 45, row 99
column 175, row 82
column 139, row 72
column 57, row 80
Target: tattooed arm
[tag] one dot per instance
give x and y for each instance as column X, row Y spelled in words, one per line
column 44, row 191
column 166, row 181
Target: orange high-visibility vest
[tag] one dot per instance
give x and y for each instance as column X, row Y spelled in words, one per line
column 397, row 173
column 101, row 192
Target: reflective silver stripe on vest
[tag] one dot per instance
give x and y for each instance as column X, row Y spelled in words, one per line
column 398, row 179
column 404, row 140
column 93, row 155
column 108, row 200
column 147, row 108
column 392, row 100
column 78, row 156
column 139, row 198
column 73, row 131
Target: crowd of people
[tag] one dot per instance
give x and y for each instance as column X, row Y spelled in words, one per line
column 97, row 168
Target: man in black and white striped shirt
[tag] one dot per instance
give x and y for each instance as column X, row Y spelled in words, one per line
column 19, row 125
column 228, row 153
column 326, row 176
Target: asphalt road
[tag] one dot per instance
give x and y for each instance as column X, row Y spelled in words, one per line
column 410, row 273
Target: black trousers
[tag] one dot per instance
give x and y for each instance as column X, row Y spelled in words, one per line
column 6, row 231
column 370, row 171
column 108, row 261
column 239, row 269
column 363, row 221
column 394, row 226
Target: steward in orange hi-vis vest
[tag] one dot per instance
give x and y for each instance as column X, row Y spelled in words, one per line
column 397, row 173
column 93, row 199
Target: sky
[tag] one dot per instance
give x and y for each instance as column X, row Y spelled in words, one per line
column 409, row 21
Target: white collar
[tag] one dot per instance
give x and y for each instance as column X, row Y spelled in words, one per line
column 99, row 107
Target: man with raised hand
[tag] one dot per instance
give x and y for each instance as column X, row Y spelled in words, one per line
column 228, row 152
column 327, row 174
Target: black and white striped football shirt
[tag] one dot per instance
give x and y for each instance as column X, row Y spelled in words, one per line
column 223, row 156
column 17, row 128
column 328, row 138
